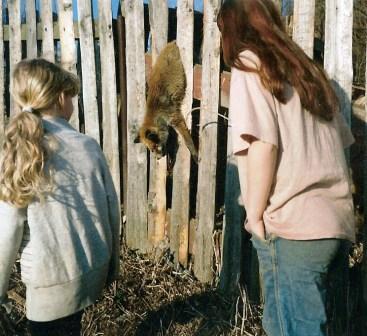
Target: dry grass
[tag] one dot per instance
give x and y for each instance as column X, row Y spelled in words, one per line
column 153, row 297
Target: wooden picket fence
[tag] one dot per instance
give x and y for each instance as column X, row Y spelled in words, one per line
column 112, row 105
column 150, row 224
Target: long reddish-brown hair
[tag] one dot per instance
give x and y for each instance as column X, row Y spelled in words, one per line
column 256, row 25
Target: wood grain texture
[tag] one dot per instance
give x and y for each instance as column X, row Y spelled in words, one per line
column 208, row 143
column 136, row 205
column 31, row 29
column 48, row 50
column 179, row 234
column 304, row 25
column 338, row 50
column 2, row 81
column 68, row 48
column 364, row 265
column 232, row 248
column 109, row 92
column 89, row 85
column 15, row 46
column 158, row 17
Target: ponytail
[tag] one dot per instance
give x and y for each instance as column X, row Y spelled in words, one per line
column 22, row 175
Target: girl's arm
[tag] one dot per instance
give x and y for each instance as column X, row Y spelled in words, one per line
column 11, row 235
column 261, row 162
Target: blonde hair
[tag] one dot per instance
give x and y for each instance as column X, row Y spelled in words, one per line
column 36, row 87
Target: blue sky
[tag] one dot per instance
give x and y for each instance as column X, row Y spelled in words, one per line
column 198, row 5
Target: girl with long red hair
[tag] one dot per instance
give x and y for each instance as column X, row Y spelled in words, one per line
column 289, row 137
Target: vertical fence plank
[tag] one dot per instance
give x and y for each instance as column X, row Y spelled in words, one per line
column 68, row 48
column 304, row 24
column 109, row 92
column 31, row 29
column 208, row 143
column 86, row 40
column 15, row 43
column 2, row 79
column 136, row 207
column 232, row 226
column 338, row 50
column 158, row 17
column 48, row 51
column 121, row 35
column 364, row 262
column 179, row 233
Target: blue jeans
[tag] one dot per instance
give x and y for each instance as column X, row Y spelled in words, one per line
column 294, row 276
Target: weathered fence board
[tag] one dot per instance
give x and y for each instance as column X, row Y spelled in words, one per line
column 208, row 143
column 158, row 18
column 68, row 48
column 121, row 36
column 2, row 80
column 15, row 43
column 364, row 265
column 179, row 234
column 109, row 92
column 232, row 225
column 136, row 205
column 304, row 24
column 338, row 50
column 31, row 29
column 48, row 51
column 86, row 41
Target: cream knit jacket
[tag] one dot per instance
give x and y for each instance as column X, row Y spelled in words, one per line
column 73, row 246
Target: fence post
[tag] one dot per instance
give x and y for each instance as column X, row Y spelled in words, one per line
column 179, row 233
column 158, row 17
column 109, row 92
column 304, row 24
column 48, row 51
column 89, row 85
column 136, row 205
column 68, row 48
column 208, row 143
column 31, row 29
column 15, row 42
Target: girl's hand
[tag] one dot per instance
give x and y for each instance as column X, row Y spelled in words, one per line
column 257, row 228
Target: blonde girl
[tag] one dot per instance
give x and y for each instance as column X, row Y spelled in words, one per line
column 58, row 205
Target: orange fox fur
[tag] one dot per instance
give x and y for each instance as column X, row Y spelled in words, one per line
column 166, row 91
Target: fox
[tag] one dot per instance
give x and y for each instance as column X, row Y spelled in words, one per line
column 166, row 92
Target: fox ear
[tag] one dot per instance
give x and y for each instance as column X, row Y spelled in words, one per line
column 152, row 136
column 137, row 139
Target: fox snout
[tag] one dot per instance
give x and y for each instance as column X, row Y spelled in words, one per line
column 153, row 141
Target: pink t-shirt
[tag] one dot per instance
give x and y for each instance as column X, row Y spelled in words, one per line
column 311, row 195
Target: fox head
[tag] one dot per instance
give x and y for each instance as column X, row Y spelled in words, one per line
column 154, row 136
